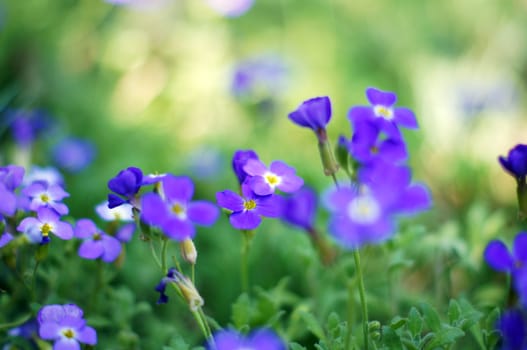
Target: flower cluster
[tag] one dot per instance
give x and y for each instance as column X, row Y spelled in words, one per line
column 65, row 325
column 381, row 187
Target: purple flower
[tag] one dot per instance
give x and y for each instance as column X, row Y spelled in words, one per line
column 41, row 194
column 498, row 257
column 511, row 324
column 299, row 209
column 314, row 113
column 247, row 211
column 124, row 233
column 64, row 325
column 230, row 8
column 383, row 114
column 367, row 144
column 264, row 181
column 74, row 154
column 26, row 126
column 240, row 158
column 516, row 161
column 175, row 214
column 260, row 339
column 126, row 184
column 97, row 244
column 11, row 177
column 46, row 222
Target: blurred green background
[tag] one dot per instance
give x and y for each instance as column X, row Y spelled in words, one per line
column 152, row 88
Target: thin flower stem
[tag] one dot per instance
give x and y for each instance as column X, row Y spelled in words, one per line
column 335, row 180
column 362, row 294
column 193, row 273
column 199, row 320
column 207, row 326
column 154, row 254
column 164, row 256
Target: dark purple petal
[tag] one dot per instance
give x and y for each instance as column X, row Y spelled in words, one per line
column 314, row 113
column 360, row 114
column 91, row 249
column 405, row 117
column 49, row 331
column 85, row 228
column 498, row 257
column 239, row 160
column 112, row 248
column 260, row 186
column 520, row 247
column 202, row 213
column 245, row 220
column 516, row 161
column 127, row 182
column 154, row 210
column 379, row 97
column 87, row 335
column 230, row 200
column 389, row 127
column 270, row 206
column 300, row 208
column 178, row 188
column 178, row 230
column 393, row 150
column 512, row 327
column 114, row 201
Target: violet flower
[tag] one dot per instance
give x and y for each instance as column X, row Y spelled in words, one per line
column 126, row 184
column 46, row 222
column 383, row 114
column 498, row 257
column 120, row 213
column 265, row 181
column 239, row 159
column 11, row 177
column 96, row 244
column 47, row 174
column 41, row 194
column 73, row 154
column 314, row 113
column 299, row 209
column 176, row 214
column 247, row 211
column 26, row 126
column 516, row 162
column 367, row 144
column 260, row 339
column 513, row 330
column 65, row 325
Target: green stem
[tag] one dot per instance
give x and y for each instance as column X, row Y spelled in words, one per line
column 193, row 273
column 164, row 256
column 362, row 294
column 201, row 324
column 350, row 313
column 154, row 255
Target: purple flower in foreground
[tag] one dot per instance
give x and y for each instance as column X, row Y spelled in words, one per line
column 26, row 126
column 367, row 144
column 41, row 194
column 64, row 325
column 498, row 257
column 73, row 154
column 126, row 184
column 97, row 244
column 240, row 158
column 314, row 113
column 299, row 209
column 46, row 222
column 512, row 325
column 264, row 181
column 383, row 114
column 230, row 8
column 247, row 211
column 516, row 162
column 260, row 339
column 176, row 214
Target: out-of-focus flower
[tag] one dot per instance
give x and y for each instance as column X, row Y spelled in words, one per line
column 41, row 194
column 247, row 211
column 64, row 324
column 299, row 209
column 27, row 125
column 230, row 8
column 48, row 174
column 511, row 324
column 96, row 244
column 239, row 160
column 205, row 163
column 176, row 214
column 383, row 114
column 27, row 330
column 73, row 154
column 264, row 181
column 187, row 288
column 127, row 184
column 46, row 222
column 11, row 177
column 120, row 213
column 367, row 144
column 124, row 233
column 260, row 339
column 5, row 237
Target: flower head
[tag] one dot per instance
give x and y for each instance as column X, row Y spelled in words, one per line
column 247, row 210
column 382, row 113
column 73, row 154
column 264, row 181
column 42, row 194
column 48, row 174
column 367, row 144
column 314, row 113
column 96, row 244
column 126, row 184
column 516, row 161
column 65, row 325
column 120, row 213
column 260, row 339
column 299, row 209
column 176, row 214
column 46, row 222
column 27, row 125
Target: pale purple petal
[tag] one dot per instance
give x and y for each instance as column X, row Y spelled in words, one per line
column 51, row 313
column 91, row 249
column 47, row 215
column 5, row 238
column 153, row 209
column 379, row 97
column 57, row 192
column 265, row 339
column 8, row 202
column 87, row 335
column 63, row 230
column 269, row 206
column 230, row 200
column 49, row 330
column 178, row 188
column 35, row 189
column 227, row 340
column 260, row 186
column 281, row 169
column 498, row 257
column 255, row 167
column 414, row 199
column 291, row 183
column 338, row 199
column 178, row 230
column 112, row 248
column 202, row 213
column 405, row 117
column 66, row 344
column 246, row 220
column 393, row 150
column 28, row 223
column 85, row 228
column 125, row 233
column 72, row 310
column 60, row 208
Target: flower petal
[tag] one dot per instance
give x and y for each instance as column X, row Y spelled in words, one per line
column 260, row 186
column 202, row 213
column 49, row 330
column 87, row 335
column 405, row 117
column 379, row 97
column 246, row 220
column 153, row 209
column 85, row 228
column 230, row 200
column 520, row 247
column 178, row 229
column 63, row 230
column 255, row 167
column 112, row 248
column 498, row 257
column 270, row 206
column 91, row 249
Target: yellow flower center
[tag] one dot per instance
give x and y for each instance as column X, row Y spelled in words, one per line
column 68, row 333
column 97, row 236
column 45, row 229
column 249, row 205
column 272, row 179
column 44, row 198
column 178, row 209
column 374, row 150
column 384, row 112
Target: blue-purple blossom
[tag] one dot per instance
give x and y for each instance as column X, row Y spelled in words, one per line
column 175, row 213
column 367, row 143
column 511, row 324
column 230, row 8
column 260, row 339
column 516, row 161
column 46, row 222
column 248, row 209
column 73, row 154
column 314, row 113
column 97, row 244
column 239, row 159
column 383, row 114
column 27, row 125
column 264, row 181
column 27, row 330
column 41, row 194
column 11, row 177
column 498, row 257
column 299, row 209
column 126, row 184
column 65, row 325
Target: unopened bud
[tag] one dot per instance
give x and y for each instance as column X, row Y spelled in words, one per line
column 326, row 155
column 189, row 291
column 188, row 251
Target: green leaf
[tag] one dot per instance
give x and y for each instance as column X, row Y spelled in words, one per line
column 391, row 339
column 296, row 346
column 446, row 335
column 454, row 312
column 469, row 315
column 312, row 324
column 241, row 311
column 415, row 322
column 397, row 322
column 430, row 316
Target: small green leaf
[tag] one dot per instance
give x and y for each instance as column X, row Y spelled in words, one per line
column 241, row 311
column 454, row 312
column 397, row 322
column 415, row 322
column 296, row 346
column 430, row 316
column 312, row 324
column 391, row 339
column 445, row 336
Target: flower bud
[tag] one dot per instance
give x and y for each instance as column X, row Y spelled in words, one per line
column 188, row 251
